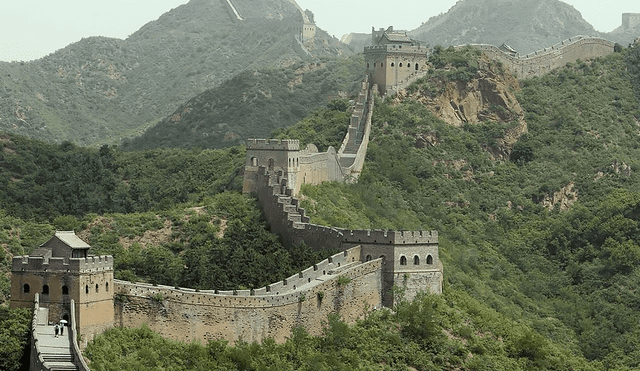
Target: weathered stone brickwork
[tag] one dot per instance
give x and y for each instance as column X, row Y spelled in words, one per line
column 59, row 279
column 308, row 166
column 304, row 299
column 546, row 60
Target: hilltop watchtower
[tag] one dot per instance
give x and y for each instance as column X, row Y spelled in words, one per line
column 394, row 59
column 630, row 20
column 274, row 155
column 410, row 259
column 60, row 270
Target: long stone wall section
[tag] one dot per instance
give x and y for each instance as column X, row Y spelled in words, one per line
column 546, row 60
column 304, row 299
column 410, row 259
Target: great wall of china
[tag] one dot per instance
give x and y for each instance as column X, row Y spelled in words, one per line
column 60, row 280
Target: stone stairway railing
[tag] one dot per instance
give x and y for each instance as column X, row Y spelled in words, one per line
column 49, row 352
column 354, row 146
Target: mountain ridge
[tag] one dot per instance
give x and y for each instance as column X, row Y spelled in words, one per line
column 100, row 89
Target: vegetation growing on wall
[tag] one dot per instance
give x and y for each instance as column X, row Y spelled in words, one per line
column 430, row 333
column 540, row 251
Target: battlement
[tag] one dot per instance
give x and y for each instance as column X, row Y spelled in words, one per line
column 543, row 61
column 391, row 237
column 396, row 48
column 273, row 144
column 278, row 292
column 76, row 265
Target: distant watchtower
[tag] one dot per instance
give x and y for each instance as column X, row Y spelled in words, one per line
column 62, row 270
column 630, row 20
column 394, row 59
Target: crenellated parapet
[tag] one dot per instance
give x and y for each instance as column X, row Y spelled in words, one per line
column 273, row 144
column 391, row 237
column 340, row 284
column 397, row 48
column 60, row 264
column 544, row 61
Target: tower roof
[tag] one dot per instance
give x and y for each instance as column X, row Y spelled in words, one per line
column 70, row 239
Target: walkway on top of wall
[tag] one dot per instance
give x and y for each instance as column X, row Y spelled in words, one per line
column 55, row 351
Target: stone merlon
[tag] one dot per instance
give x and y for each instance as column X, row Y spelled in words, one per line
column 273, row 144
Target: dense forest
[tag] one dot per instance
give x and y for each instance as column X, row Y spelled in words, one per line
column 540, row 250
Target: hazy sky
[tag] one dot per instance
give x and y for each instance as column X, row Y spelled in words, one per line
column 31, row 29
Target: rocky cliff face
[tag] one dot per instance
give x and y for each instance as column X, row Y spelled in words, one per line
column 490, row 96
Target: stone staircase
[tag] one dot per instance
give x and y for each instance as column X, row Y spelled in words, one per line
column 55, row 351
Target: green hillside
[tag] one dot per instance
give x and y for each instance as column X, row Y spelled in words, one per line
column 540, row 250
column 253, row 104
column 100, row 90
column 570, row 275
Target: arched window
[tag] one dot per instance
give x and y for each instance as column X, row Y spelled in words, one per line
column 381, row 64
column 400, row 64
column 254, row 161
column 45, row 290
column 86, row 289
column 369, row 258
column 416, row 260
column 403, row 260
column 393, row 64
column 65, row 290
column 96, row 288
column 374, row 64
column 416, row 66
column 107, row 286
column 367, row 65
column 271, row 164
column 409, row 65
column 26, row 288
column 429, row 259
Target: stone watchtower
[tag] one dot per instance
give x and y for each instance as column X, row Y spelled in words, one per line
column 630, row 20
column 274, row 155
column 62, row 270
column 394, row 59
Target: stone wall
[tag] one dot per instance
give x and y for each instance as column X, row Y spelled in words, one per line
column 288, row 219
column 546, row 60
column 304, row 299
column 630, row 20
column 392, row 65
column 36, row 361
column 87, row 281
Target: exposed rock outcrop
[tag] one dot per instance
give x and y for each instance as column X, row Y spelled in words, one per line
column 489, row 96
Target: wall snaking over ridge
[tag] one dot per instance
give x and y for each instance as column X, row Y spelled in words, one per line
column 546, row 60
column 304, row 299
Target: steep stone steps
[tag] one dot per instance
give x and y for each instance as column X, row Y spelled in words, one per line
column 60, row 366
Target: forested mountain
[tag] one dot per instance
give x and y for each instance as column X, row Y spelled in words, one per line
column 526, row 26
column 253, row 104
column 99, row 90
column 538, row 236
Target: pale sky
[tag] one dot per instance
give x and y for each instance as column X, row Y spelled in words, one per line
column 31, row 29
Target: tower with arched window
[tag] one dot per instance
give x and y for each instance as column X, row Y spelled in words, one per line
column 394, row 59
column 410, row 259
column 61, row 270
